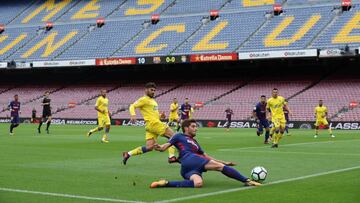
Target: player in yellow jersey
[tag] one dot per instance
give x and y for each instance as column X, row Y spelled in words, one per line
column 174, row 116
column 154, row 127
column 101, row 107
column 320, row 115
column 275, row 109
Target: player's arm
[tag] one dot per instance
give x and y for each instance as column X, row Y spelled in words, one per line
column 268, row 112
column 138, row 104
column 163, row 147
column 97, row 106
column 254, row 114
column 325, row 113
column 315, row 114
column 288, row 109
column 227, row 163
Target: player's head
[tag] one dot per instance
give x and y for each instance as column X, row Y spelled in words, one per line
column 46, row 94
column 175, row 100
column 16, row 97
column 186, row 100
column 150, row 89
column 275, row 93
column 320, row 102
column 263, row 99
column 189, row 127
column 103, row 93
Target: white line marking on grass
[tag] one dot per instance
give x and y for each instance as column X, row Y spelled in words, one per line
column 304, row 153
column 267, row 184
column 68, row 195
column 287, row 145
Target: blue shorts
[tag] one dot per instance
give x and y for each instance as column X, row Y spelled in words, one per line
column 15, row 119
column 264, row 123
column 193, row 164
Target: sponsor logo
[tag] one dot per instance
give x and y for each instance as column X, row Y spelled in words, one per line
column 183, row 59
column 305, row 126
column 213, row 57
column 156, row 59
column 115, row 61
column 345, row 126
column 294, row 53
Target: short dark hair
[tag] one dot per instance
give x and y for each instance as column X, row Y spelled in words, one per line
column 15, row 95
column 150, row 85
column 275, row 89
column 263, row 96
column 186, row 123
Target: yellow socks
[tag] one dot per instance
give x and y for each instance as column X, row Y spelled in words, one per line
column 171, row 151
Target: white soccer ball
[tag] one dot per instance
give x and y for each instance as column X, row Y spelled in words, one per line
column 258, row 174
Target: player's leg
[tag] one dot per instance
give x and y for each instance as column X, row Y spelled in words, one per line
column 194, row 181
column 229, row 172
column 151, row 140
column 172, row 150
column 107, row 123
column 179, row 126
column 228, row 123
column 317, row 125
column 48, row 123
column 99, row 128
column 40, row 123
column 326, row 124
column 267, row 135
column 276, row 136
column 259, row 130
column 14, row 123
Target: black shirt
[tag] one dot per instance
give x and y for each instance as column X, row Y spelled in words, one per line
column 46, row 107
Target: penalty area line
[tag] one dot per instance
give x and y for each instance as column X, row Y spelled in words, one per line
column 68, row 195
column 267, row 184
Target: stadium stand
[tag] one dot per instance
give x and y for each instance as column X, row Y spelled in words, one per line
column 183, row 28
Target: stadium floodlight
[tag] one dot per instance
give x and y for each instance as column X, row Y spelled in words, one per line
column 346, row 5
column 100, row 22
column 214, row 14
column 49, row 26
column 2, row 28
column 277, row 8
column 155, row 18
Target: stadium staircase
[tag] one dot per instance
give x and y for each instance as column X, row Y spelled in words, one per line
column 309, row 86
column 326, row 28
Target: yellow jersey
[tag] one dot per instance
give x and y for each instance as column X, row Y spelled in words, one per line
column 276, row 106
column 102, row 104
column 148, row 108
column 320, row 112
column 174, row 109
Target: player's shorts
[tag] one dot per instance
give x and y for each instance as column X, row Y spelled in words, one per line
column 321, row 122
column 103, row 121
column 46, row 115
column 193, row 164
column 154, row 129
column 263, row 123
column 184, row 117
column 15, row 119
column 173, row 118
column 279, row 122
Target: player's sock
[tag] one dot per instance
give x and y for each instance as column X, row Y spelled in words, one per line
column 40, row 124
column 330, row 131
column 137, row 151
column 11, row 128
column 267, row 135
column 316, row 131
column 232, row 173
column 48, row 125
column 184, row 183
column 171, row 151
column 287, row 130
column 94, row 130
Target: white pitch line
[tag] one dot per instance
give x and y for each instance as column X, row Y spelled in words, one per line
column 287, row 145
column 248, row 188
column 68, row 195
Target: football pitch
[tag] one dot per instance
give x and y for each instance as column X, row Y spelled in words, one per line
column 66, row 166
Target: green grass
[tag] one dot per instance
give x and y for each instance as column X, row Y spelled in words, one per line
column 66, row 162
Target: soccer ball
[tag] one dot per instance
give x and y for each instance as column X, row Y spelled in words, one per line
column 258, row 174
